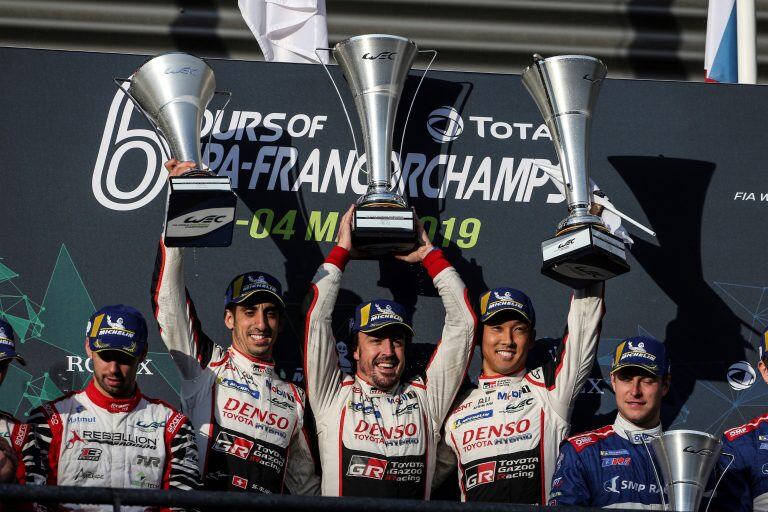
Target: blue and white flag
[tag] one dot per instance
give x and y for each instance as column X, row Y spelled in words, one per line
column 721, row 54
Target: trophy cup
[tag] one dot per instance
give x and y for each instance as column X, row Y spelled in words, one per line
column 376, row 67
column 565, row 90
column 687, row 459
column 172, row 90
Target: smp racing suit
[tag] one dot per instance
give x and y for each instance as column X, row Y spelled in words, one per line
column 90, row 440
column 745, row 484
column 375, row 442
column 249, row 422
column 608, row 468
column 15, row 432
column 505, row 433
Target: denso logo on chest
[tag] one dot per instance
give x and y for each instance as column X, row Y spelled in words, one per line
column 395, row 435
column 499, row 434
column 245, row 412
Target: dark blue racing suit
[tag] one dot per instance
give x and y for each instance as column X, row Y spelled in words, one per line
column 608, row 468
column 745, row 485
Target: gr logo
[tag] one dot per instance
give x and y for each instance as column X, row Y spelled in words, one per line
column 480, row 474
column 445, row 124
column 367, row 467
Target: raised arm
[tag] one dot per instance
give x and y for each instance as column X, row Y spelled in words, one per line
column 174, row 311
column 42, row 438
column 448, row 366
column 564, row 377
column 321, row 362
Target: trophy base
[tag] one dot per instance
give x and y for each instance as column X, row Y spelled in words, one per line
column 380, row 230
column 200, row 212
column 584, row 256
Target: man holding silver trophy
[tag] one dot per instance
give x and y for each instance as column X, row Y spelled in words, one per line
column 249, row 422
column 377, row 435
column 505, row 433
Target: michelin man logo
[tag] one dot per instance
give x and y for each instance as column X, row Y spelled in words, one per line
column 444, row 124
column 2, row 333
column 259, row 279
column 640, row 347
column 386, row 311
column 506, row 296
column 115, row 325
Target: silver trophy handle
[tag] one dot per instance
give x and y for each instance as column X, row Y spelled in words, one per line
column 413, row 100
column 163, row 143
column 717, row 484
column 228, row 94
column 655, row 471
column 338, row 93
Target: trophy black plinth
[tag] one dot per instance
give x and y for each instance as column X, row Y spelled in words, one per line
column 200, row 212
column 583, row 256
column 380, row 230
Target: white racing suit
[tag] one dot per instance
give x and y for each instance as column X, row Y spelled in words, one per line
column 506, row 432
column 374, row 442
column 90, row 440
column 249, row 422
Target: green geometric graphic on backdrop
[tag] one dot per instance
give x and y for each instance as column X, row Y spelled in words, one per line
column 59, row 321
column 66, row 307
column 6, row 274
column 40, row 390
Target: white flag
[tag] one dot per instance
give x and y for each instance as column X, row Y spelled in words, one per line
column 287, row 30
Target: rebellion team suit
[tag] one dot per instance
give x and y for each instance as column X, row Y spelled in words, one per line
column 15, row 432
column 745, row 485
column 375, row 442
column 607, row 468
column 248, row 421
column 90, row 440
column 11, row 429
column 505, row 433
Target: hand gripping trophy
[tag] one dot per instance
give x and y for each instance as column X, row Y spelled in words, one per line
column 172, row 90
column 565, row 90
column 376, row 67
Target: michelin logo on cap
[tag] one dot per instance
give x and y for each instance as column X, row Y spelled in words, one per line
column 385, row 314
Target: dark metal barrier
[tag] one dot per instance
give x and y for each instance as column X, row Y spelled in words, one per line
column 235, row 501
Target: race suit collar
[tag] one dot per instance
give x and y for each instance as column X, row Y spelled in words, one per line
column 498, row 380
column 632, row 433
column 110, row 404
column 371, row 390
column 254, row 363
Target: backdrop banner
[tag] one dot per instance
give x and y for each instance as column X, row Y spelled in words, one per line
column 82, row 196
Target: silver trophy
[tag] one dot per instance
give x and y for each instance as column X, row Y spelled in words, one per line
column 687, row 459
column 565, row 89
column 173, row 90
column 376, row 67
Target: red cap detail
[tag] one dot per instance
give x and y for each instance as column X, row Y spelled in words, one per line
column 338, row 256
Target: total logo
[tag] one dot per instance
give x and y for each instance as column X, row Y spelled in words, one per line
column 741, row 375
column 445, row 124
